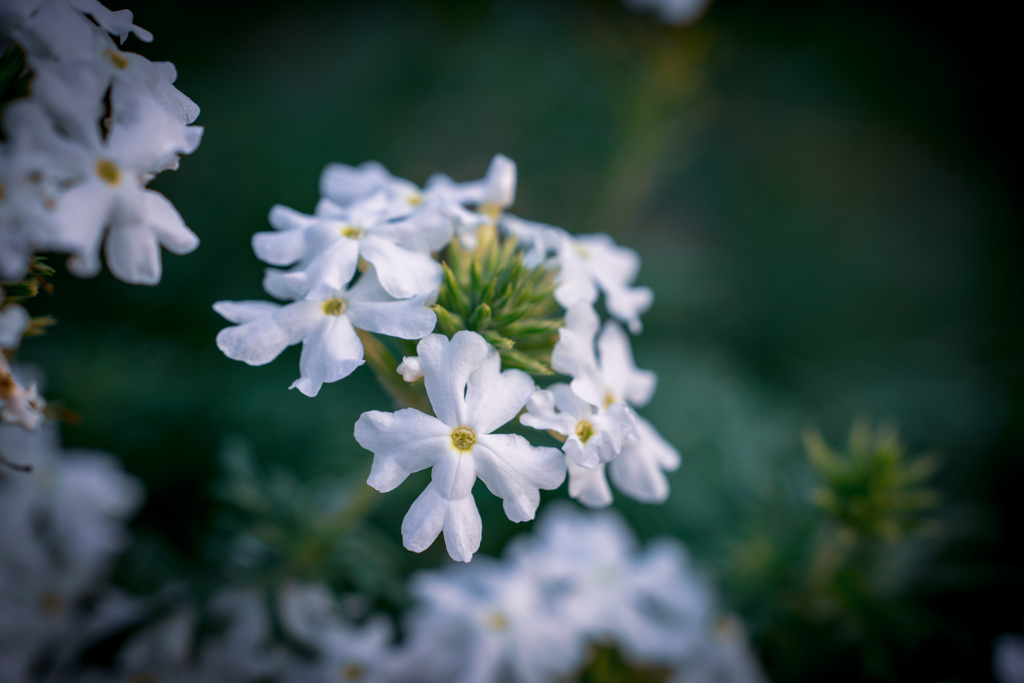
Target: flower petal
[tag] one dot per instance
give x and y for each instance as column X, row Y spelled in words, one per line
column 515, row 471
column 403, row 442
column 589, row 485
column 431, row 513
column 133, row 254
column 447, row 366
column 256, row 342
column 402, row 273
column 371, row 308
column 620, row 373
column 494, row 398
column 244, row 311
column 330, row 353
column 331, row 270
column 639, row 470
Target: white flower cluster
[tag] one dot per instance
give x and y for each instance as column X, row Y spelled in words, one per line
column 98, row 124
column 61, row 528
column 577, row 583
column 393, row 228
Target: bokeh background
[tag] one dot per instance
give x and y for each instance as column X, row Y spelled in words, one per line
column 824, row 195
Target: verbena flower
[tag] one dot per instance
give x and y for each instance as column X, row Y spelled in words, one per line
column 496, row 622
column 328, row 247
column 471, row 397
column 20, row 402
column 331, row 349
column 602, row 379
column 588, row 263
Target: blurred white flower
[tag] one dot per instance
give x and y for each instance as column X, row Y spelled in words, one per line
column 676, row 12
column 61, row 527
column 603, row 380
column 20, row 402
column 471, row 397
column 477, row 202
column 588, row 263
column 651, row 603
column 1008, row 659
column 13, row 321
column 331, row 350
column 495, row 622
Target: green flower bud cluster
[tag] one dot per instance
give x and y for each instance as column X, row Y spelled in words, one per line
column 873, row 489
column 490, row 291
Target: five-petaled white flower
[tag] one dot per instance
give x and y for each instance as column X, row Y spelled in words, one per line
column 593, row 435
column 471, row 397
column 587, row 263
column 328, row 247
column 639, row 469
column 331, row 349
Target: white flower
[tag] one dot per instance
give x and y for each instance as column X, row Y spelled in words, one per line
column 64, row 46
column 32, row 170
column 496, row 622
column 20, row 404
column 471, row 398
column 328, row 247
column 144, row 139
column 588, row 263
column 344, row 652
column 675, row 12
column 348, row 185
column 593, row 435
column 13, row 321
column 639, row 468
column 410, row 369
column 489, row 197
column 1008, row 659
column 649, row 603
column 61, row 526
column 331, row 349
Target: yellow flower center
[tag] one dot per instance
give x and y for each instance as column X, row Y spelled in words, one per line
column 608, row 399
column 108, row 172
column 584, row 430
column 352, row 232
column 335, row 306
column 116, row 58
column 414, row 199
column 352, row 672
column 581, row 250
column 497, row 621
column 463, row 439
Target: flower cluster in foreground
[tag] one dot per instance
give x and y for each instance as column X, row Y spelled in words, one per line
column 382, row 255
column 576, row 589
column 96, row 124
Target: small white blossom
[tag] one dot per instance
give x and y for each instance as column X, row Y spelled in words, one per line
column 593, row 435
column 488, row 197
column 639, row 469
column 331, row 350
column 471, row 397
column 410, row 369
column 328, row 247
column 588, row 263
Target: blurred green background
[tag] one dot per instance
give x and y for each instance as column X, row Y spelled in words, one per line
column 824, row 196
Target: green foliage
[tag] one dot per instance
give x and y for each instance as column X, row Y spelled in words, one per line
column 488, row 290
column 833, row 575
column 607, row 666
column 873, row 491
column 285, row 528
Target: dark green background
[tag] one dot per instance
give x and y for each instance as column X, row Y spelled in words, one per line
column 823, row 195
